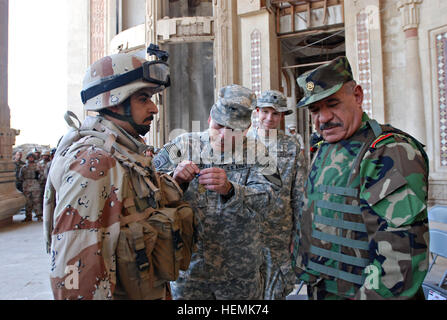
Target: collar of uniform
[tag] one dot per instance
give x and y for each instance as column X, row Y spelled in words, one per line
column 364, row 126
column 101, row 124
column 365, row 119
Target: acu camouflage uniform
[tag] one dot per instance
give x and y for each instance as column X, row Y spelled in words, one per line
column 363, row 233
column 227, row 262
column 278, row 228
column 31, row 176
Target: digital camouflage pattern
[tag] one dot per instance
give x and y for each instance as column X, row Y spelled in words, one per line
column 31, row 176
column 227, row 262
column 363, row 233
column 324, row 81
column 274, row 99
column 278, row 227
column 233, row 107
column 84, row 200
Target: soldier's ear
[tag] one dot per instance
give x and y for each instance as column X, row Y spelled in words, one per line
column 358, row 95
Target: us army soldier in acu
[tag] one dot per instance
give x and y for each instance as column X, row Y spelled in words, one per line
column 231, row 193
column 364, row 229
column 278, row 229
column 97, row 174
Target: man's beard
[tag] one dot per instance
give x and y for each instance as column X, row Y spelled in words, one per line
column 142, row 129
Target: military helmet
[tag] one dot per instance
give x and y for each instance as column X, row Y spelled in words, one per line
column 46, row 153
column 234, row 107
column 30, row 154
column 275, row 100
column 112, row 79
column 36, row 150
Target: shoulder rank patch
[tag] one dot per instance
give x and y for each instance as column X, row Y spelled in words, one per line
column 316, row 146
column 381, row 138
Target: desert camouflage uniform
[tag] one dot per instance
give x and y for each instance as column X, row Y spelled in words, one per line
column 278, row 228
column 43, row 167
column 226, row 264
column 31, row 176
column 89, row 186
column 364, row 229
column 19, row 184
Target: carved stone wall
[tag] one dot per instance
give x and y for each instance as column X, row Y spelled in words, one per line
column 97, row 29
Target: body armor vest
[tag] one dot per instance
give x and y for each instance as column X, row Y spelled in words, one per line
column 334, row 240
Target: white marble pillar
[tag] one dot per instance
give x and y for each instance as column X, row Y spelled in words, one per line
column 11, row 200
column 414, row 102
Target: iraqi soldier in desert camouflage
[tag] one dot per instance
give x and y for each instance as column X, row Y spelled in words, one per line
column 98, row 173
column 31, row 177
column 278, row 228
column 18, row 165
column 231, row 189
column 364, row 229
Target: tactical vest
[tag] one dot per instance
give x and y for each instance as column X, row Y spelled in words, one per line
column 334, row 240
column 158, row 230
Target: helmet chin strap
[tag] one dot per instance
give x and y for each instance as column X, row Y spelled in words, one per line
column 139, row 128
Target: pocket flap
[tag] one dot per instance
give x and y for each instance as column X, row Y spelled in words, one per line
column 387, row 185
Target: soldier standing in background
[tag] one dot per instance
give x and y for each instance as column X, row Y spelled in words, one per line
column 278, row 228
column 18, row 163
column 44, row 164
column 231, row 195
column 37, row 154
column 293, row 133
column 364, row 228
column 31, row 176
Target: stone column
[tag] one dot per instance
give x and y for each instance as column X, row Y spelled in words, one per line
column 155, row 137
column 225, row 43
column 414, row 102
column 11, row 200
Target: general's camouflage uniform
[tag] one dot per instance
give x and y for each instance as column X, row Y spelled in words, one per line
column 364, row 229
column 31, row 177
column 278, row 228
column 226, row 265
column 89, row 186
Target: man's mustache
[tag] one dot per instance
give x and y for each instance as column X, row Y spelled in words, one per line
column 330, row 125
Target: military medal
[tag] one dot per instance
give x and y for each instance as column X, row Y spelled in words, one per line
column 201, row 187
